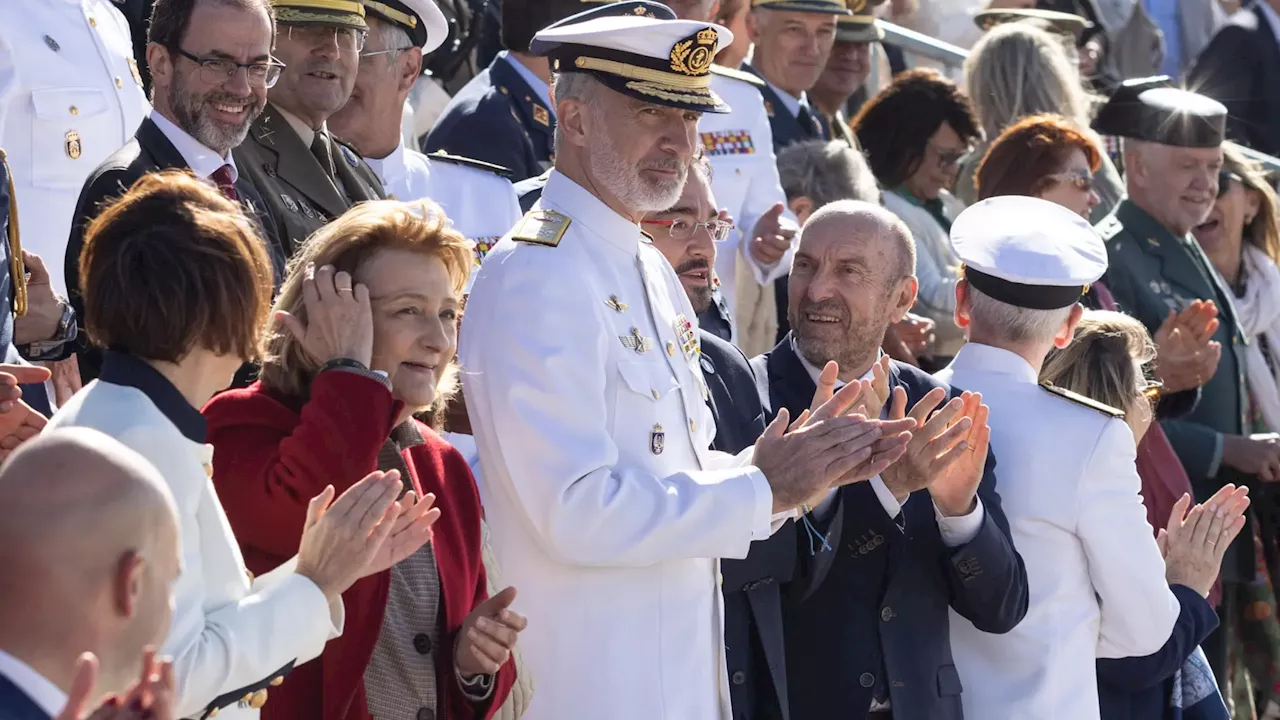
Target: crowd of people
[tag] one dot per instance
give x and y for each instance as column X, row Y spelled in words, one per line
column 701, row 360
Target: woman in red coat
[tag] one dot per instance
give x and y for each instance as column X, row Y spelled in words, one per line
column 363, row 337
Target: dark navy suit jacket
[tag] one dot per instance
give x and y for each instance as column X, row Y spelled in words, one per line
column 497, row 118
column 15, row 705
column 836, row 646
column 1137, row 688
column 754, row 651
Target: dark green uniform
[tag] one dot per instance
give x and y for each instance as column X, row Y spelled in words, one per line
column 299, row 193
column 1153, row 271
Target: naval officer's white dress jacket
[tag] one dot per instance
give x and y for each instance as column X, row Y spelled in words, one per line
column 480, row 203
column 232, row 635
column 582, row 381
column 1070, row 489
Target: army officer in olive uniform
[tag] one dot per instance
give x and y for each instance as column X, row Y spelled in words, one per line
column 306, row 176
column 1172, row 158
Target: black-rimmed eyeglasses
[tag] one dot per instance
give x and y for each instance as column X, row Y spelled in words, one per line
column 216, row 71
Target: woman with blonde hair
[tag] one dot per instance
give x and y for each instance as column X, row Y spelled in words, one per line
column 1108, row 361
column 363, row 339
column 1016, row 70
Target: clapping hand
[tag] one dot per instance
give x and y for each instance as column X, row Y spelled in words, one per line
column 410, row 531
column 917, row 334
column 339, row 318
column 1194, row 543
column 18, row 421
column 488, row 636
column 1187, row 357
column 769, row 240
column 944, row 437
column 341, row 540
column 150, row 698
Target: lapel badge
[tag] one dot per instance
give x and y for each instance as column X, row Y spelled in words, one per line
column 615, row 304
column 307, row 209
column 768, row 108
column 72, row 144
column 636, row 341
column 347, row 153
column 541, row 116
column 133, row 70
column 1155, row 286
column 687, row 336
column 53, row 44
column 264, row 135
column 269, row 169
column 288, row 202
column 657, row 440
column 1153, row 242
column 707, row 367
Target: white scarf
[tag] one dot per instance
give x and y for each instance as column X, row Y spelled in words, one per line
column 1259, row 315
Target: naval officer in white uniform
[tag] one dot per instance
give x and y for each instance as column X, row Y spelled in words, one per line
column 479, row 200
column 70, row 95
column 1067, row 474
column 583, row 384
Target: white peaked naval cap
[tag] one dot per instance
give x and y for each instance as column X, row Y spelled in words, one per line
column 1028, row 252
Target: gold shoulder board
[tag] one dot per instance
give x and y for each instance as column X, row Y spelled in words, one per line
column 541, row 227
column 1082, row 400
column 742, row 75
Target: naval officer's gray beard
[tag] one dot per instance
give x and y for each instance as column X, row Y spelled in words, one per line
column 625, row 181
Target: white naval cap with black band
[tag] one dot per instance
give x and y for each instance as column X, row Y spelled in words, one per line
column 1028, row 252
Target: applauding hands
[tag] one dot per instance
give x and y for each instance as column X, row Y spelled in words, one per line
column 488, row 636
column 150, row 698
column 1186, row 356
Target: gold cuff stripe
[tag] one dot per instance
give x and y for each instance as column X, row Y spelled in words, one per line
column 672, row 95
column 350, row 6
column 403, row 18
column 635, row 72
column 17, row 269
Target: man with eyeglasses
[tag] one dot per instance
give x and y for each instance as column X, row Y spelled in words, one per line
column 1172, row 158
column 211, row 66
column 307, row 176
column 476, row 196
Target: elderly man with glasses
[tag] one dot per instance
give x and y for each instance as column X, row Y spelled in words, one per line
column 211, row 67
column 306, row 176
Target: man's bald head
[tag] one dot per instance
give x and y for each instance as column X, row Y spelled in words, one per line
column 858, row 221
column 89, row 549
column 851, row 279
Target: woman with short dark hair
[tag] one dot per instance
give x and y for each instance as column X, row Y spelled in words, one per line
column 916, row 133
column 178, row 287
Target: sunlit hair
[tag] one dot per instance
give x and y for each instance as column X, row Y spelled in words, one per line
column 1016, row 70
column 1100, row 361
column 1264, row 232
column 172, row 266
column 347, row 243
column 1023, row 157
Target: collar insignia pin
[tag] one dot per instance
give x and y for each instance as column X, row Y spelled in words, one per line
column 615, row 304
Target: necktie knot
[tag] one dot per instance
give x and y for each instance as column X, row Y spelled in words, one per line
column 222, row 177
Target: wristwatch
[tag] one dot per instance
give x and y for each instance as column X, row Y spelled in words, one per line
column 66, row 331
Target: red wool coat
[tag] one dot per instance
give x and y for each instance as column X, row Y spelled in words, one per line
column 271, row 458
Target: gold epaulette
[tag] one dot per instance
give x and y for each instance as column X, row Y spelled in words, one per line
column 541, row 227
column 1082, row 400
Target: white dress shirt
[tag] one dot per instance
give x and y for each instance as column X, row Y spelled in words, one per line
column 202, row 161
column 47, row 696
column 1069, row 486
column 70, row 96
column 607, row 505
